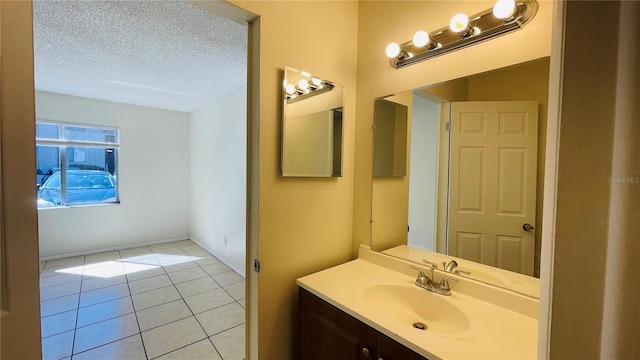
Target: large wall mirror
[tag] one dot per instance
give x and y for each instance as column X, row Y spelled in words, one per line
column 473, row 186
column 311, row 125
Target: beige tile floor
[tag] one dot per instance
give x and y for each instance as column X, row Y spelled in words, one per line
column 165, row 301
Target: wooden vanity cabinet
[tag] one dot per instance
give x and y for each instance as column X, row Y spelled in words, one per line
column 329, row 333
column 389, row 349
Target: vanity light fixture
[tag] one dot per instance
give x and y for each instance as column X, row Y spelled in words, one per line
column 460, row 25
column 504, row 17
column 303, row 85
column 306, row 88
column 504, row 9
column 422, row 39
column 289, row 89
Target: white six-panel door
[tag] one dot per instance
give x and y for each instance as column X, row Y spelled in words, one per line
column 493, row 183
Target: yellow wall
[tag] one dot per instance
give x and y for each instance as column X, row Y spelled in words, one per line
column 454, row 90
column 382, row 22
column 304, row 224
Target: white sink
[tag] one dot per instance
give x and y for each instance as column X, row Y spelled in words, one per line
column 411, row 304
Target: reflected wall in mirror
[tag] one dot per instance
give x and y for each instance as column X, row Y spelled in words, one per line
column 390, row 139
column 311, row 126
column 475, row 174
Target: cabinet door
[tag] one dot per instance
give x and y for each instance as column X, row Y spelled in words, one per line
column 328, row 333
column 389, row 349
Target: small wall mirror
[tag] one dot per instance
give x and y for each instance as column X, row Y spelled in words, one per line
column 311, row 125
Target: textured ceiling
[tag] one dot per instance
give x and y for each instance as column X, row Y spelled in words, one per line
column 163, row 54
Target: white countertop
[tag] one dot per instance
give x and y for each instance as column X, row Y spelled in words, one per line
column 492, row 332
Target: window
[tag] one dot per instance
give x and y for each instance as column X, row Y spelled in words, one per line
column 76, row 164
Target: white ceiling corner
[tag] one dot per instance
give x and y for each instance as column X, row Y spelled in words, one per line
column 163, row 54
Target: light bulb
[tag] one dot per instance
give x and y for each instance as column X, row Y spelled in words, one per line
column 290, row 89
column 459, row 23
column 421, row 38
column 303, row 84
column 504, row 9
column 393, row 50
column 316, row 81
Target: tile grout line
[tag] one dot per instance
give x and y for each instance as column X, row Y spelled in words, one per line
column 77, row 317
column 220, row 332
column 235, row 300
column 105, row 344
column 75, row 328
column 181, row 298
column 135, row 313
column 171, row 322
column 79, row 292
column 101, row 321
column 191, row 310
column 114, row 341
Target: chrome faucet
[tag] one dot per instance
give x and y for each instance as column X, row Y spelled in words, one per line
column 427, row 283
column 451, row 266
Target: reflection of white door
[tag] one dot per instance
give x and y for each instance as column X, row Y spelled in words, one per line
column 493, row 183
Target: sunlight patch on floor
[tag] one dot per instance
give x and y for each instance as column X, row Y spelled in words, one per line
column 107, row 269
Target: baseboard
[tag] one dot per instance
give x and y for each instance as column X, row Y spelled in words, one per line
column 220, row 257
column 130, row 246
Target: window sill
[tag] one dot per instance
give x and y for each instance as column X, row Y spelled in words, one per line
column 79, row 206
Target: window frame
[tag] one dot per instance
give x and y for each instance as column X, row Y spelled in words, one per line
column 63, row 144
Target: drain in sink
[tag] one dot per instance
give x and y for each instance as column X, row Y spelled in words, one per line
column 420, row 326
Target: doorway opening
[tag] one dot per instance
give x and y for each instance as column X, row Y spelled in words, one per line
column 150, row 96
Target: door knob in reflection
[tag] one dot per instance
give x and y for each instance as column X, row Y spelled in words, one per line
column 528, row 227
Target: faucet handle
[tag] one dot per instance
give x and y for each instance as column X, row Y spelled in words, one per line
column 462, row 272
column 444, row 283
column 420, row 271
column 432, row 264
column 422, row 279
